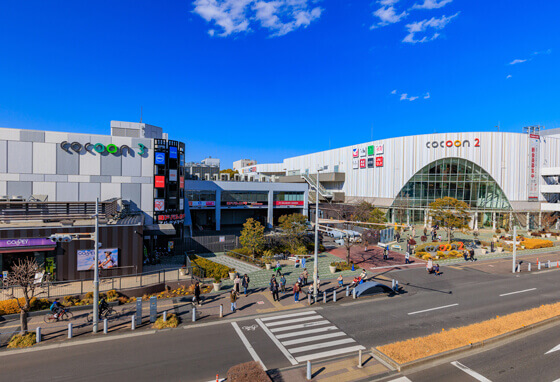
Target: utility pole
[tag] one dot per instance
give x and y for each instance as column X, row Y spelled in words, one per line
column 96, row 270
column 514, row 248
column 315, row 261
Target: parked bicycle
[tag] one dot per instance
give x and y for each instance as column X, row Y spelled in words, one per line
column 63, row 315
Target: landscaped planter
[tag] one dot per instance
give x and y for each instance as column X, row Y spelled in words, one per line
column 232, row 275
column 217, row 286
column 499, row 249
column 332, row 269
column 548, row 234
column 268, row 266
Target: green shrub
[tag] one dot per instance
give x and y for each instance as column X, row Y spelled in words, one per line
column 343, row 266
column 211, row 269
column 22, row 340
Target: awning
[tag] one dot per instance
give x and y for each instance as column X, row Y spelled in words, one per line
column 160, row 229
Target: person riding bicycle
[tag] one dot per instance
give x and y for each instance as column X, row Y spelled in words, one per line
column 56, row 309
column 103, row 306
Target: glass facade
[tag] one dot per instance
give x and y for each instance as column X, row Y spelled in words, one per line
column 288, row 196
column 200, row 196
column 244, row 197
column 454, row 177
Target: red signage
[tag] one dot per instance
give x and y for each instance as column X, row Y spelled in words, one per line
column 288, row 203
column 202, row 204
column 159, row 181
column 379, row 162
column 182, row 182
column 171, row 218
column 159, row 205
column 363, row 163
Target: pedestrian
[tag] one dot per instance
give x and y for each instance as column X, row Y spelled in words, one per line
column 305, row 275
column 297, row 289
column 303, row 262
column 283, row 284
column 300, row 280
column 233, row 299
column 465, row 256
column 425, row 231
column 407, row 258
column 274, row 290
column 436, row 270
column 272, row 279
column 318, row 284
column 365, row 246
column 245, row 283
column 278, row 268
column 398, row 237
column 385, row 251
column 340, row 281
column 236, row 283
column 413, row 232
column 197, row 293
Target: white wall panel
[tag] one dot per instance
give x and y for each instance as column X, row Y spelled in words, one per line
column 90, row 163
column 20, row 157
column 9, row 134
column 110, row 190
column 55, row 137
column 3, row 188
column 44, row 158
column 45, row 188
column 79, row 178
column 67, row 192
column 147, row 198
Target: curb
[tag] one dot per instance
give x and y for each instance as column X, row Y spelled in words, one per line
column 412, row 364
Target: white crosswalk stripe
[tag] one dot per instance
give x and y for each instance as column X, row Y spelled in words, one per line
column 313, row 336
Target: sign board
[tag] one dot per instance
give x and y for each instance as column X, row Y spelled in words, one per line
column 534, row 143
column 288, row 203
column 202, row 204
column 159, row 181
column 370, row 162
column 153, row 309
column 108, row 258
column 363, row 163
column 370, row 150
column 159, row 158
column 363, row 151
column 138, row 311
column 159, row 205
column 355, row 153
column 181, row 204
column 26, row 242
column 181, row 182
column 222, row 239
column 379, row 149
column 172, row 152
column 355, row 163
column 4, row 275
column 379, row 162
column 172, row 175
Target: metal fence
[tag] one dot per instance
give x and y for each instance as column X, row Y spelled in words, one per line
column 211, row 243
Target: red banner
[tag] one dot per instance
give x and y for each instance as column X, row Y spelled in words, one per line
column 289, row 203
column 159, row 181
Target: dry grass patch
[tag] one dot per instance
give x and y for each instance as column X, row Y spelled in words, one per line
column 22, row 340
column 416, row 348
column 172, row 322
column 247, row 372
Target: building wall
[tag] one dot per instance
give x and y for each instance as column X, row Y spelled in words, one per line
column 33, row 162
column 505, row 156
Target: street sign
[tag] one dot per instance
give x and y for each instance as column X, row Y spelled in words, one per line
column 153, row 309
column 139, row 311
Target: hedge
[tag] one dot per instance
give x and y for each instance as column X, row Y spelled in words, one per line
column 211, row 269
column 11, row 307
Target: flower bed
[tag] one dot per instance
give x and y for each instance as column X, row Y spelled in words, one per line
column 212, row 269
column 11, row 307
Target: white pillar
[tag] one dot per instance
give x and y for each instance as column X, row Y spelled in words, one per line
column 270, row 211
column 528, row 221
column 408, row 217
column 494, row 221
column 510, row 224
column 218, row 209
column 475, row 221
column 393, row 216
column 540, row 220
column 426, row 219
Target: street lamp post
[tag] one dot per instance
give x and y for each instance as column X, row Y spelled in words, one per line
column 96, row 269
column 514, row 248
column 315, row 259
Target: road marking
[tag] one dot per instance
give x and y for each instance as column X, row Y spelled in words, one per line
column 556, row 348
column 280, row 346
column 269, row 324
column 319, row 330
column 300, row 326
column 519, row 291
column 288, row 315
column 329, row 353
column 429, row 310
column 470, row 372
column 247, row 344
column 315, row 338
column 321, row 345
column 401, row 379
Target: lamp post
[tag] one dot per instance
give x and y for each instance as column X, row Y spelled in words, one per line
column 315, row 259
column 514, row 248
column 96, row 269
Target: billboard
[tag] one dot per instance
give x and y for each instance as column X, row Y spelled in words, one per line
column 159, row 158
column 159, row 181
column 172, row 152
column 355, row 163
column 363, row 151
column 534, row 141
column 172, row 175
column 159, row 205
column 379, row 149
column 108, row 258
column 355, row 153
column 363, row 163
column 379, row 162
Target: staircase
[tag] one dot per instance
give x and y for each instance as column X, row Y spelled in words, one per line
column 315, row 184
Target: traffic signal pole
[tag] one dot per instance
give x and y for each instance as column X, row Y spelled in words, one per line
column 96, row 270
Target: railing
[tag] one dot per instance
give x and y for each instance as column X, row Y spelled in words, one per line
column 317, row 184
column 54, row 210
column 247, row 259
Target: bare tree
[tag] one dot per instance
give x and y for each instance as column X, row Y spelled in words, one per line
column 348, row 243
column 23, row 276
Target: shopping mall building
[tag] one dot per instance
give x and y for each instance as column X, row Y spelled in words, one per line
column 501, row 176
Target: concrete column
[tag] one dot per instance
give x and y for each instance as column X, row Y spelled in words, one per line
column 528, row 221
column 540, row 219
column 426, row 219
column 408, row 217
column 306, row 203
column 493, row 220
column 393, row 216
column 510, row 221
column 475, row 221
column 270, row 212
column 218, row 209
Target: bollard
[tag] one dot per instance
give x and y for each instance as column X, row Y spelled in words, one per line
column 165, row 316
column 518, row 268
column 69, row 330
column 529, row 270
column 324, row 297
column 194, row 314
column 393, row 284
column 38, row 334
column 309, row 370
column 105, row 326
column 538, row 265
column 133, row 323
column 221, row 310
column 347, row 290
column 396, row 285
column 354, row 293
column 309, row 299
column 548, row 264
column 334, row 296
column 360, row 359
column 217, row 377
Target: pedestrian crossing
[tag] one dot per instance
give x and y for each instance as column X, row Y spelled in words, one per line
column 307, row 336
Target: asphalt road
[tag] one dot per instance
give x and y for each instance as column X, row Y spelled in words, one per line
column 522, row 360
column 198, row 354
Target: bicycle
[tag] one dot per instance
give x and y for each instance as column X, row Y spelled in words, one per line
column 105, row 314
column 63, row 315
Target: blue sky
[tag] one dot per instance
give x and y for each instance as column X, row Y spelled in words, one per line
column 269, row 79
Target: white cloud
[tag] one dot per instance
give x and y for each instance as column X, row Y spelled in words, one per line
column 424, row 25
column 388, row 2
column 387, row 15
column 431, row 4
column 394, row 91
column 427, row 95
column 405, row 97
column 237, row 16
column 509, row 76
column 517, row 61
column 548, row 51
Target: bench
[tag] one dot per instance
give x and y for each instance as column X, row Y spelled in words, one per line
column 396, row 246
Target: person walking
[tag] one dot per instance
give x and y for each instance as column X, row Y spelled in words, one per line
column 233, row 299
column 283, row 284
column 236, row 283
column 274, row 290
column 318, row 284
column 278, row 268
column 303, row 262
column 385, row 251
column 245, row 283
column 297, row 289
column 407, row 258
column 398, row 237
column 340, row 280
column 305, row 275
column 197, row 294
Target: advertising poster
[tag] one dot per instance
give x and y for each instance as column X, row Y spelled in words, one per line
column 363, row 151
column 355, row 153
column 379, row 162
column 172, row 152
column 534, row 141
column 159, row 205
column 160, row 158
column 370, row 150
column 355, row 163
column 370, row 162
column 108, row 258
column 159, row 181
column 182, row 182
column 363, row 163
column 379, row 149
column 181, row 204
column 172, row 175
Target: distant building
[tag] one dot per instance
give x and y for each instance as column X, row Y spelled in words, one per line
column 243, row 163
column 214, row 162
column 201, row 171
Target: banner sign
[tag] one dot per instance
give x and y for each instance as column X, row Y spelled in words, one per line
column 355, row 163
column 172, row 152
column 25, row 243
column 370, row 150
column 370, row 162
column 159, row 158
column 202, row 204
column 172, row 175
column 363, row 163
column 355, row 153
column 379, row 149
column 159, row 181
column 362, row 151
column 379, row 162
column 288, row 203
column 159, row 205
column 108, row 258
column 534, row 143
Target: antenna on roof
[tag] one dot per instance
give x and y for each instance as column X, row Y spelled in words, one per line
column 141, row 114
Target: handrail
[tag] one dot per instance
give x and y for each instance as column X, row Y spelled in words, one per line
column 316, row 183
column 251, row 259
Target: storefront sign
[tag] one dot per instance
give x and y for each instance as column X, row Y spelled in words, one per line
column 202, row 204
column 181, row 204
column 288, row 203
column 172, row 175
column 363, row 163
column 159, row 205
column 370, row 162
column 363, row 151
column 379, row 149
column 172, row 152
column 181, row 182
column 255, row 204
column 534, row 141
column 101, row 148
column 379, row 162
column 355, row 153
column 449, row 143
column 108, row 258
column 159, row 181
column 159, row 158
column 173, row 219
column 25, row 243
column 355, row 163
